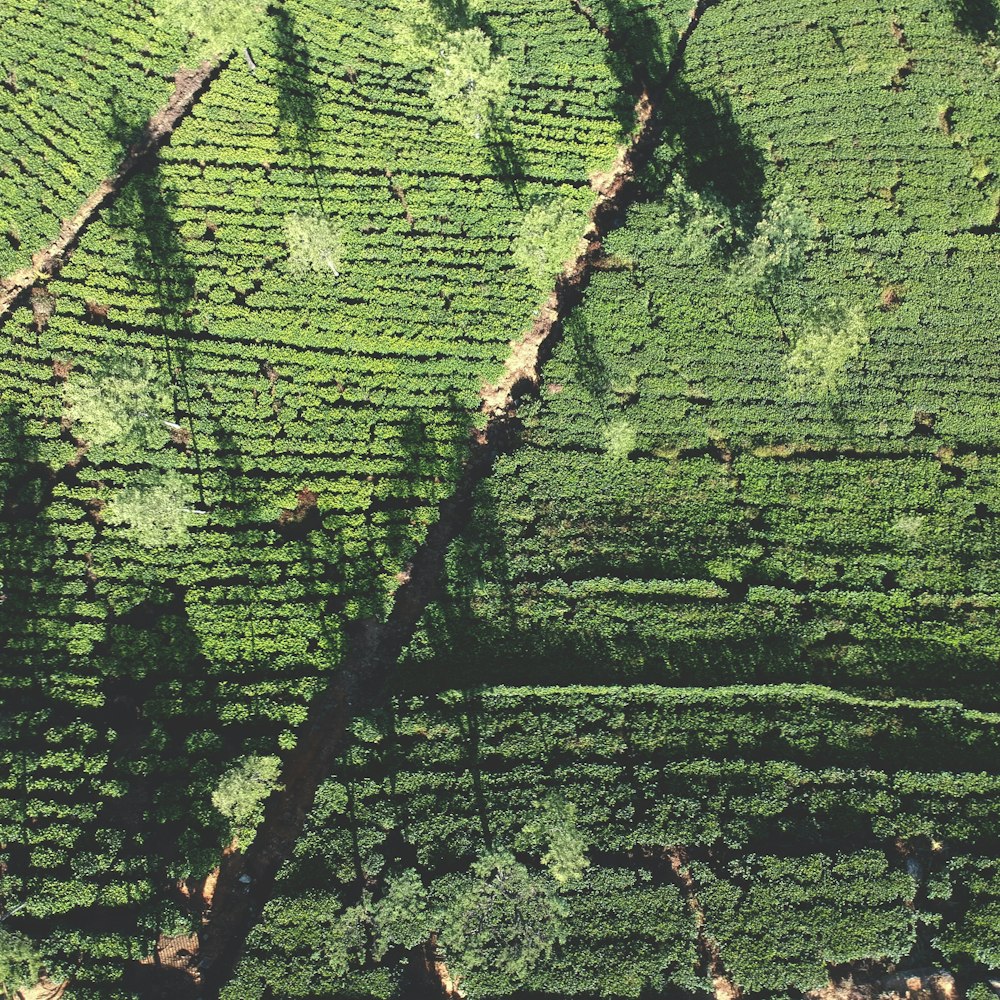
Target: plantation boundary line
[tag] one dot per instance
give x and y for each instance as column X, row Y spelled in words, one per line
column 189, row 86
column 242, row 886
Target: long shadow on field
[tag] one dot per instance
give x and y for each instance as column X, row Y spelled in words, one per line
column 297, row 94
column 704, row 142
column 32, row 589
column 100, row 844
column 975, row 17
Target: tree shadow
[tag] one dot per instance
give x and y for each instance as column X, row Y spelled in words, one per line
column 589, row 366
column 31, row 591
column 112, row 821
column 468, row 724
column 705, row 143
column 640, row 52
column 977, row 18
column 505, row 158
column 297, row 94
column 146, row 208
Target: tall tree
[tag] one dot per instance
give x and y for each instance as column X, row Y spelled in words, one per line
column 241, row 793
column 498, row 923
column 549, row 234
column 152, row 510
column 219, row 26
column 470, row 85
column 20, row 964
column 826, row 338
column 314, row 244
column 124, row 398
column 778, row 251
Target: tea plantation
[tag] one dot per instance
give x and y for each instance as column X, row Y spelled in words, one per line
column 703, row 695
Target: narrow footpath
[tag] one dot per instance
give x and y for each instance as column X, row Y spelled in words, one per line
column 189, row 86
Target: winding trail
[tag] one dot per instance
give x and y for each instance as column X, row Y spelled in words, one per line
column 243, row 884
column 189, row 86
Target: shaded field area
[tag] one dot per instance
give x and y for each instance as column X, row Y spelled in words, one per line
column 539, row 833
column 704, row 701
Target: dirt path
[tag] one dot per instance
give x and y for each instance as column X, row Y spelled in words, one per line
column 708, row 951
column 917, row 984
column 244, row 885
column 189, row 85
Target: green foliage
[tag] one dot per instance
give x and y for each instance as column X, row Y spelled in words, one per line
column 20, row 963
column 220, row 26
column 470, row 86
column 315, row 245
column 151, row 510
column 548, row 237
column 554, row 836
column 619, row 439
column 780, row 922
column 401, row 916
column 357, row 389
column 417, row 32
column 777, row 253
column 343, row 945
column 241, row 794
column 975, row 935
column 824, row 341
column 498, row 924
column 695, row 225
column 123, row 397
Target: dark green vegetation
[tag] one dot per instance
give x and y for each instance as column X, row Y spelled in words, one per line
column 309, row 422
column 812, row 822
column 696, row 501
column 764, row 454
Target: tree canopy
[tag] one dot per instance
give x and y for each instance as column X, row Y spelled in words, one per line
column 152, row 510
column 124, row 397
column 470, row 86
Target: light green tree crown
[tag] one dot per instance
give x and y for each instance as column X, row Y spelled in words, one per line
column 470, row 85
column 125, row 397
column 548, row 235
column 152, row 510
column 241, row 793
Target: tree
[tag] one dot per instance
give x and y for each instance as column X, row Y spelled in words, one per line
column 554, row 835
column 619, row 439
column 314, row 244
column 152, row 510
column 241, row 792
column 20, row 964
column 124, row 398
column 826, row 339
column 402, row 917
column 470, row 85
column 498, row 923
column 778, row 250
column 547, row 238
column 221, row 26
column 697, row 227
column 343, row 947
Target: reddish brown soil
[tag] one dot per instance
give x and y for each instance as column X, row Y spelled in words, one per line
column 708, row 950
column 917, row 984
